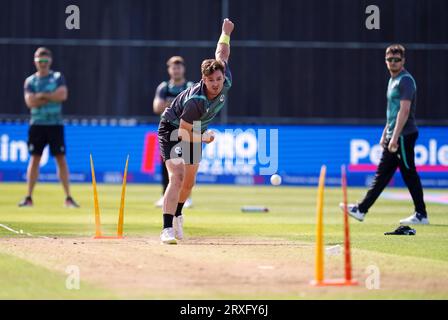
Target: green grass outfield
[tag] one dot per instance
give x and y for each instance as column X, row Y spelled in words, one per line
column 217, row 213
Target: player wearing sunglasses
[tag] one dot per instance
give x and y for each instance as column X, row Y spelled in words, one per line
column 44, row 92
column 398, row 141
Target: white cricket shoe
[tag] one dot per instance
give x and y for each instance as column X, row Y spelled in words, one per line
column 416, row 218
column 159, row 203
column 178, row 225
column 353, row 211
column 188, row 203
column 167, row 236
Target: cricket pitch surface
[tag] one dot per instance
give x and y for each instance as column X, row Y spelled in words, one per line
column 215, row 268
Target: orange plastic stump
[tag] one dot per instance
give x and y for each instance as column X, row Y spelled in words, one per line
column 320, row 280
column 98, row 232
column 335, row 283
column 108, row 237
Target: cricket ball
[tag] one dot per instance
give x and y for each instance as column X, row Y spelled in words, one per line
column 276, row 180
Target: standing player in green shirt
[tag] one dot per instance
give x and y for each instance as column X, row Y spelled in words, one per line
column 398, row 141
column 44, row 93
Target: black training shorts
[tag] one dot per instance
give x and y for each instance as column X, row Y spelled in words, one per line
column 171, row 147
column 41, row 135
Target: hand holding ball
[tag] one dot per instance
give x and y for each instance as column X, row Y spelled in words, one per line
column 276, row 180
column 208, row 136
column 393, row 147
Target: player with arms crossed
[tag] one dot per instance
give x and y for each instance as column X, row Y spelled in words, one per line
column 183, row 128
column 45, row 91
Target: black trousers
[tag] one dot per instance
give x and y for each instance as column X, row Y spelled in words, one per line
column 403, row 159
